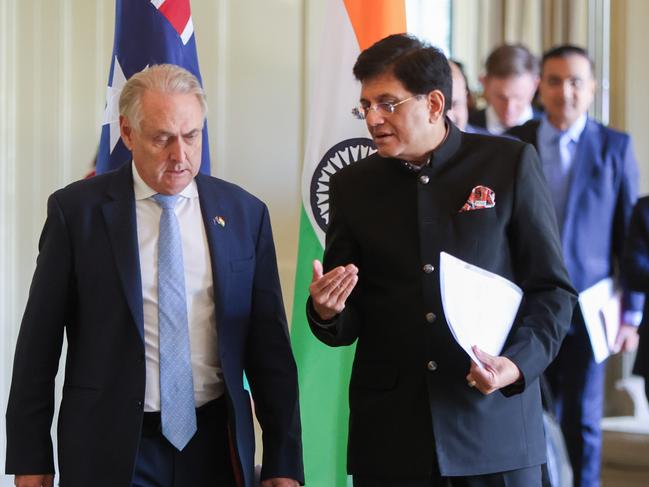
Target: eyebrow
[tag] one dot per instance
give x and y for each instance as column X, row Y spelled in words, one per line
column 383, row 96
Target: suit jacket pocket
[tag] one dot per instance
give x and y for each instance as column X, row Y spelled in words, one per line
column 373, row 391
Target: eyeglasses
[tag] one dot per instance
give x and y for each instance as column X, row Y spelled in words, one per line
column 360, row 112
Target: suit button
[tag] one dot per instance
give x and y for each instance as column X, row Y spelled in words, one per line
column 140, row 404
column 424, row 179
column 428, row 268
column 432, row 366
column 431, row 317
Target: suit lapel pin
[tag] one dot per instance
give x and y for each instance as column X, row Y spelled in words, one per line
column 219, row 220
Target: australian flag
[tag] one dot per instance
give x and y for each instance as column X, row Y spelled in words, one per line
column 146, row 32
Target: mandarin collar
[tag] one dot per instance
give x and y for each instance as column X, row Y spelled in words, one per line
column 447, row 149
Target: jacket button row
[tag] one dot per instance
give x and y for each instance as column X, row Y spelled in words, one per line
column 432, row 366
column 428, row 268
column 431, row 317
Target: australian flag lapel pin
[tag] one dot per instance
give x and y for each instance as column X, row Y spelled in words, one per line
column 219, row 220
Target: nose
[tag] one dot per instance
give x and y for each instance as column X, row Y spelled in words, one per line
column 510, row 107
column 374, row 117
column 177, row 149
column 567, row 89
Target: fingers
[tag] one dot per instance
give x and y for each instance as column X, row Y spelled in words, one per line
column 330, row 291
column 486, row 359
column 627, row 339
column 498, row 372
column 484, row 378
column 317, row 270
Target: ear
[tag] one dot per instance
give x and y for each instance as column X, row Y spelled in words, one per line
column 436, row 104
column 126, row 131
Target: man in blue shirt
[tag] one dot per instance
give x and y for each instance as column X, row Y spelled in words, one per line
column 592, row 176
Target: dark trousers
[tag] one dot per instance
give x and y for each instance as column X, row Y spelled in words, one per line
column 525, row 477
column 204, row 461
column 577, row 384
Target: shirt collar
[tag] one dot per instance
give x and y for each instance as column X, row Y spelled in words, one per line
column 548, row 133
column 493, row 122
column 143, row 191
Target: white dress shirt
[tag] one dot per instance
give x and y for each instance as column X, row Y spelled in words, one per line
column 199, row 288
column 493, row 122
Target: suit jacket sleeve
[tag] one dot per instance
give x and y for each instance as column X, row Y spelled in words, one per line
column 546, row 309
column 340, row 249
column 627, row 196
column 635, row 261
column 31, row 399
column 271, row 368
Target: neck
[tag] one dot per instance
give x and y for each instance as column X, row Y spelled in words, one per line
column 561, row 124
column 438, row 138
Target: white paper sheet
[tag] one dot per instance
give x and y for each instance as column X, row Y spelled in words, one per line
column 600, row 307
column 480, row 306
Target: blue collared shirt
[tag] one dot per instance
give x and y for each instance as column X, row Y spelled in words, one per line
column 557, row 151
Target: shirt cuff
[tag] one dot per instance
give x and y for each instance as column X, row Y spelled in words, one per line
column 632, row 317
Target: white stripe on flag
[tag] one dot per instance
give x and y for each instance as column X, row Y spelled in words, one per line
column 335, row 93
column 187, row 31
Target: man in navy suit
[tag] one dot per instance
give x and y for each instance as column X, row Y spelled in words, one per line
column 592, row 176
column 635, row 265
column 99, row 280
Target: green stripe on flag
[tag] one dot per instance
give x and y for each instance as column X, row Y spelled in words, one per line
column 324, row 380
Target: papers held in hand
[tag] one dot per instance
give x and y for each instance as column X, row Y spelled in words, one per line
column 480, row 306
column 601, row 309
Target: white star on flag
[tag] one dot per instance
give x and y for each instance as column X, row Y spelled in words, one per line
column 111, row 113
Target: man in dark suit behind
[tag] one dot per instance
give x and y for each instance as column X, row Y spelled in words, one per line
column 509, row 84
column 421, row 413
column 592, row 176
column 635, row 266
column 165, row 283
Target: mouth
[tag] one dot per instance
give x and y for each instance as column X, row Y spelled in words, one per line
column 175, row 172
column 382, row 137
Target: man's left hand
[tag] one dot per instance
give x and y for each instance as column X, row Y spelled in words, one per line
column 280, row 482
column 627, row 338
column 498, row 372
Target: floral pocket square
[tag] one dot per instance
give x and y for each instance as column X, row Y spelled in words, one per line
column 481, row 197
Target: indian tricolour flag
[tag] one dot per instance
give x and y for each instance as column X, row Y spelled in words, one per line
column 334, row 140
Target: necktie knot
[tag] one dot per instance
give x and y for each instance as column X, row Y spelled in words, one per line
column 166, row 201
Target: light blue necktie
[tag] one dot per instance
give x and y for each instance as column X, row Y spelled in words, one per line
column 177, row 408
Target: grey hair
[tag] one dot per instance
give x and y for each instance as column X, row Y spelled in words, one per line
column 164, row 78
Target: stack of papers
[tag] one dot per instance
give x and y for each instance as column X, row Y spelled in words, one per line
column 601, row 308
column 480, row 306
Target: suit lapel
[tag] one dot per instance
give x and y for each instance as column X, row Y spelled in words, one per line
column 215, row 219
column 119, row 214
column 586, row 156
